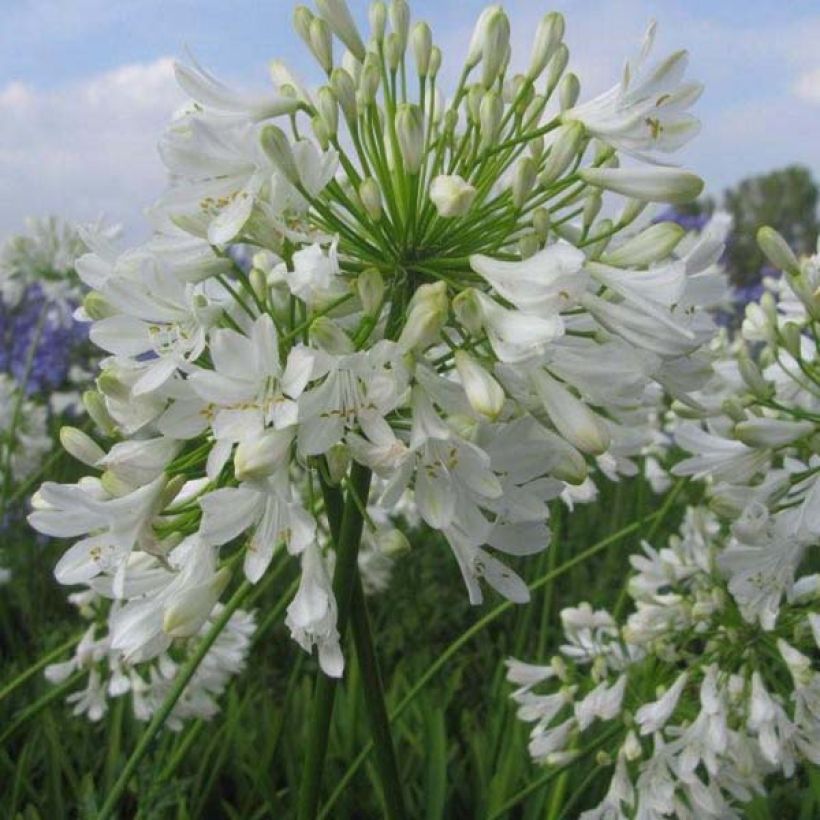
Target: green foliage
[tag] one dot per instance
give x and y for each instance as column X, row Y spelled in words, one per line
column 785, row 200
column 461, row 751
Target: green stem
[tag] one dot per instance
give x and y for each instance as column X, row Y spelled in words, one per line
column 185, row 674
column 465, row 636
column 347, row 550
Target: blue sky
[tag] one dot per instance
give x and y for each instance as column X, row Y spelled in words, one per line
column 86, row 85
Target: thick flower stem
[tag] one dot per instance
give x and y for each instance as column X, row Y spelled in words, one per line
column 347, row 532
column 375, row 705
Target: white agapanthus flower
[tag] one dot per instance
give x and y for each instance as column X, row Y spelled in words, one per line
column 435, row 310
column 697, row 716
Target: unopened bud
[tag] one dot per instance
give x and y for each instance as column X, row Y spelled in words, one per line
column 792, row 337
column 302, row 18
column 368, row 84
column 475, row 94
column 657, row 184
column 541, row 223
column 422, row 39
column 262, row 455
column 555, row 69
column 592, row 207
column 467, row 310
column 338, row 462
column 378, row 19
column 190, row 609
column 483, row 392
column 569, row 89
column 94, row 404
column 393, row 51
column 97, row 306
column 632, row 209
column 277, row 146
column 370, row 287
column 81, row 446
column 344, row 90
column 341, row 23
column 651, row 245
column 489, row 118
column 563, row 151
column 777, row 250
column 528, row 245
column 400, row 21
column 321, row 43
column 476, row 46
column 495, row 49
column 451, row 195
column 371, row 198
column 523, row 182
column 410, row 128
column 326, row 334
column 548, row 37
column 435, row 61
column 321, row 132
column 112, row 386
column 766, row 432
column 750, row 373
column 426, row 317
column 328, row 109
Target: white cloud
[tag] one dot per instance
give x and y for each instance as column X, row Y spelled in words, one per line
column 87, row 147
column 807, row 86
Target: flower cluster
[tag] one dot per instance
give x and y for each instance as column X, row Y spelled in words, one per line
column 693, row 706
column 755, row 437
column 438, row 313
column 109, row 673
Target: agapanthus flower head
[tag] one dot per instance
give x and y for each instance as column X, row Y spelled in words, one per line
column 435, row 302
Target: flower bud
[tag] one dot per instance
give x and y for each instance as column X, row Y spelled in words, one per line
column 341, row 23
column 321, row 43
column 371, row 198
column 734, row 409
column 262, row 455
column 541, row 223
column 113, row 387
column 592, row 207
column 750, row 373
column 632, row 209
column 114, row 485
column 338, row 462
column 378, row 19
column 765, row 432
column 528, row 245
column 94, row 405
column 571, row 417
column 393, row 52
column 435, row 61
column 392, row 542
column 410, row 129
column 555, row 69
column 475, row 94
column 400, row 21
column 97, row 306
column 495, row 48
column 370, row 288
column 535, row 108
column 548, row 37
column 777, row 250
column 569, row 89
column 426, row 316
column 277, row 146
column 523, row 182
column 489, row 118
column 656, row 184
column 326, row 334
column 344, row 90
column 368, row 85
column 483, row 392
column 651, row 245
column 192, row 606
column 563, row 151
column 467, row 309
column 451, row 195
column 477, row 40
column 81, row 446
column 599, row 239
column 422, row 39
column 302, row 18
column 321, row 132
column 328, row 109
